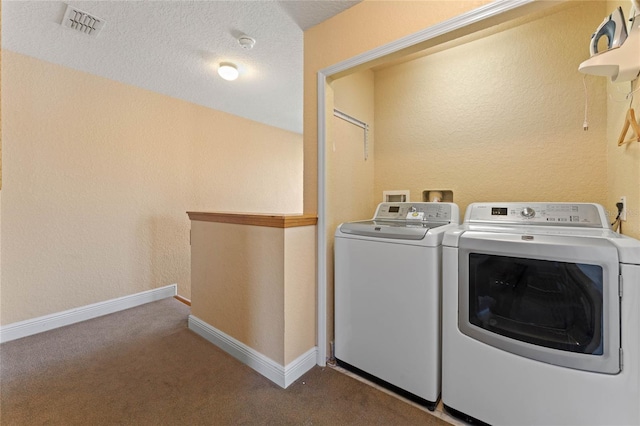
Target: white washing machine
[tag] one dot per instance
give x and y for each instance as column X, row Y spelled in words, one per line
column 541, row 317
column 388, row 297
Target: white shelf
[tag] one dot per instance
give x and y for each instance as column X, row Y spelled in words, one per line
column 622, row 63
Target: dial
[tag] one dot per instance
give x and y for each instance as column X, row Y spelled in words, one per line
column 528, row 212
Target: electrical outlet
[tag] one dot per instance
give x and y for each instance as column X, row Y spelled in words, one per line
column 623, row 213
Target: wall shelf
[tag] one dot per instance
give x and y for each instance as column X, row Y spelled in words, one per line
column 622, row 63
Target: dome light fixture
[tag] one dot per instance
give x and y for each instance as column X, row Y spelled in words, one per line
column 228, row 71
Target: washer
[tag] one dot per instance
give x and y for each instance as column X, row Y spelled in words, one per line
column 541, row 316
column 388, row 297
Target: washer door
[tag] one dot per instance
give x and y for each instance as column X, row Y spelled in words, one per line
column 549, row 298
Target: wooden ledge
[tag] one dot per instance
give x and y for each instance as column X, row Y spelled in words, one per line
column 270, row 220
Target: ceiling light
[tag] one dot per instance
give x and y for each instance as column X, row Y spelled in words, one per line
column 228, row 71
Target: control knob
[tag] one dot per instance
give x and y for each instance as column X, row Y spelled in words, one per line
column 528, row 212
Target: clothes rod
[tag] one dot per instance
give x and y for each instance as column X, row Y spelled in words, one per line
column 355, row 122
column 350, row 119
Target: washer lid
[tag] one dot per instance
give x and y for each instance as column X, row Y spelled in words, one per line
column 401, row 230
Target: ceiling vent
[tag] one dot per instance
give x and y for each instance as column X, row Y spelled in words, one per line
column 82, row 22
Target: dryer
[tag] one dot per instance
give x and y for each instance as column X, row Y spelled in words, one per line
column 541, row 316
column 388, row 297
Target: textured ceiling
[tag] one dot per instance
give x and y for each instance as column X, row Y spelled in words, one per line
column 174, row 47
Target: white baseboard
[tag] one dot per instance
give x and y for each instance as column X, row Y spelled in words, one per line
column 296, row 368
column 26, row 328
column 283, row 376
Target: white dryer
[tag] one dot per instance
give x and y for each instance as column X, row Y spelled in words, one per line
column 541, row 317
column 388, row 297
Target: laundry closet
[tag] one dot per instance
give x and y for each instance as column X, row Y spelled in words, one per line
column 495, row 115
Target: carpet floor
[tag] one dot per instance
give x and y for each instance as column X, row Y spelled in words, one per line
column 143, row 366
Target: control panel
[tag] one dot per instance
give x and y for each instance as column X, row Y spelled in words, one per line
column 437, row 212
column 559, row 214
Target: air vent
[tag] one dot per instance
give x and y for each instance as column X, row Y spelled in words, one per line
column 82, row 22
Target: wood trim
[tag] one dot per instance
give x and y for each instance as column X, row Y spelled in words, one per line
column 270, row 220
column 182, row 299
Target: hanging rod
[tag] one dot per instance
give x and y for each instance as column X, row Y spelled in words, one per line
column 355, row 122
column 350, row 119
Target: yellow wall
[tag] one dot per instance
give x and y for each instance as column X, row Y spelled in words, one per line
column 255, row 284
column 0, row 154
column 237, row 289
column 623, row 161
column 98, row 177
column 365, row 26
column 300, row 291
column 0, row 97
column 498, row 118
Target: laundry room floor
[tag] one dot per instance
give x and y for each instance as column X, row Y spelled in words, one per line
column 438, row 412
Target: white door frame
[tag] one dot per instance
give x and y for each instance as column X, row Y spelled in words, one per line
column 481, row 14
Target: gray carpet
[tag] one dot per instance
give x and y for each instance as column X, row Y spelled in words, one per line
column 143, row 366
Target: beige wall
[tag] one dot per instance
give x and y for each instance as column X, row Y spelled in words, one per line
column 0, row 157
column 498, row 118
column 623, row 161
column 98, row 177
column 257, row 285
column 237, row 289
column 0, row 96
column 365, row 26
column 300, row 291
